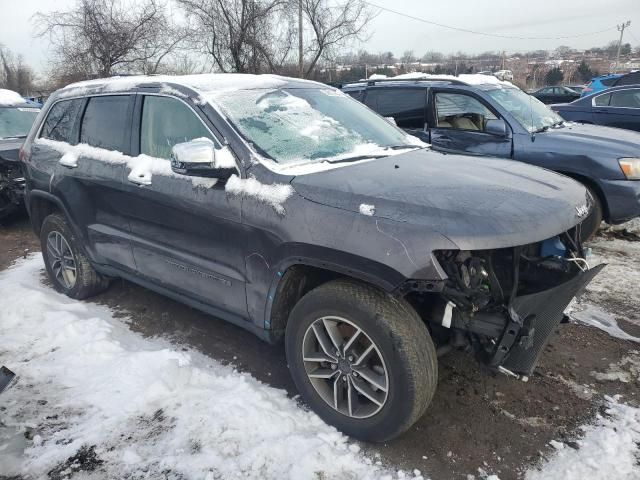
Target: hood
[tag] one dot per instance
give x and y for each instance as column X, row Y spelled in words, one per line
column 588, row 138
column 9, row 149
column 476, row 202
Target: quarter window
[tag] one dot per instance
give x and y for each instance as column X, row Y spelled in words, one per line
column 106, row 123
column 602, row 100
column 405, row 105
column 60, row 121
column 461, row 112
column 167, row 121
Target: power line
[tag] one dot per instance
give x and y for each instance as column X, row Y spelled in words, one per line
column 486, row 34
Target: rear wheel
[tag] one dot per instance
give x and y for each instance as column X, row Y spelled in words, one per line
column 67, row 265
column 590, row 225
column 361, row 359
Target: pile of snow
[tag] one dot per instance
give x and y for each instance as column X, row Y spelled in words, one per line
column 468, row 78
column 368, row 210
column 9, row 98
column 94, row 396
column 608, row 450
column 142, row 168
column 274, row 195
column 597, row 317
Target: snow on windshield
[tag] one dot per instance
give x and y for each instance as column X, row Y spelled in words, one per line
column 308, row 124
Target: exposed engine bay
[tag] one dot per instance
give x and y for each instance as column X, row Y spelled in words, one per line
column 505, row 303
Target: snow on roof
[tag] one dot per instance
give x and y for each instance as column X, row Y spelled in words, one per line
column 206, row 83
column 468, row 78
column 9, row 98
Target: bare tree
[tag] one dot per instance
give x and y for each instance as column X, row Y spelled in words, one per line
column 102, row 37
column 241, row 35
column 333, row 25
column 14, row 73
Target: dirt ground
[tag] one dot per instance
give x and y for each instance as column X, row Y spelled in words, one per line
column 476, row 421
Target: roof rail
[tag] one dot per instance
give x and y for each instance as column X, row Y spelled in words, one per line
column 452, row 81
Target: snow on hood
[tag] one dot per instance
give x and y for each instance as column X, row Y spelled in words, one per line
column 9, row 98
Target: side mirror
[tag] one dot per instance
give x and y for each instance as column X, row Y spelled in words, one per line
column 496, row 127
column 200, row 158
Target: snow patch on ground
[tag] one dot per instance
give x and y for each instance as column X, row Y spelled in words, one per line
column 608, row 450
column 599, row 318
column 9, row 98
column 368, row 210
column 96, row 399
column 627, row 370
column 275, row 194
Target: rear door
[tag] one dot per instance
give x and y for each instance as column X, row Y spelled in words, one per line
column 186, row 232
column 407, row 106
column 620, row 108
column 89, row 179
column 458, row 121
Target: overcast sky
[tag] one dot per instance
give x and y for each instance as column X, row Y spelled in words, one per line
column 541, row 18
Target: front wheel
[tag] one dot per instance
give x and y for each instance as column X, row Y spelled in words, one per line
column 363, row 360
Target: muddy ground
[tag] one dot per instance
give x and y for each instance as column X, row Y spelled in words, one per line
column 476, row 421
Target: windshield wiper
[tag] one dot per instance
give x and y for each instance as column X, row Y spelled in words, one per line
column 401, row 147
column 13, row 136
column 355, row 159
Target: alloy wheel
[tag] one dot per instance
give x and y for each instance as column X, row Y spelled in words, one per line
column 345, row 367
column 61, row 260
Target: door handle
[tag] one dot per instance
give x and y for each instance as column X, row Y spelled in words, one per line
column 143, row 182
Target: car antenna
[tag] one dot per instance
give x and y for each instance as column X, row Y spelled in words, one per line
column 533, row 132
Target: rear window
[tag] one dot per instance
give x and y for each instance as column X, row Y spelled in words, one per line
column 609, row 82
column 629, row 79
column 106, row 123
column 626, row 98
column 405, row 105
column 16, row 121
column 61, row 120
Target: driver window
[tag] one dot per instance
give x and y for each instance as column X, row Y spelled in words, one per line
column 461, row 112
column 167, row 121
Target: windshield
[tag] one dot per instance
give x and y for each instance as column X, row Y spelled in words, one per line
column 530, row 112
column 16, row 122
column 310, row 124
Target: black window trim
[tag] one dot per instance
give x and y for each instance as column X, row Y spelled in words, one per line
column 433, row 115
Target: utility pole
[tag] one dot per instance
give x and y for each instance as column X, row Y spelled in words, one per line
column 621, row 28
column 300, row 56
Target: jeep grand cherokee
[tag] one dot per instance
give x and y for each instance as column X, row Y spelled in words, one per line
column 292, row 210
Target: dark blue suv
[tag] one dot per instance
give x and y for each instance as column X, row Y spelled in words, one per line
column 480, row 115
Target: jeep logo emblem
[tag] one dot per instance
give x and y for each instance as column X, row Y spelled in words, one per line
column 582, row 210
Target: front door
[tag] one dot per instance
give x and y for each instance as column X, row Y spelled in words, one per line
column 459, row 121
column 187, row 234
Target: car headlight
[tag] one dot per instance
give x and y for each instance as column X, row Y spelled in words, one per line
column 630, row 167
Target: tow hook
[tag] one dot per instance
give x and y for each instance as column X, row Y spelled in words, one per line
column 509, row 373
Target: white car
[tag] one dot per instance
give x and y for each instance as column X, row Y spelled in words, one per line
column 504, row 75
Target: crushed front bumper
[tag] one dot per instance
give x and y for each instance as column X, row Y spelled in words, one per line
column 533, row 319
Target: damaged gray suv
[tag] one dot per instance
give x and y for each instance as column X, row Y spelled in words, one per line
column 292, row 210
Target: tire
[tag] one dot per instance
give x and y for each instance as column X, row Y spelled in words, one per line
column 591, row 224
column 403, row 350
column 86, row 281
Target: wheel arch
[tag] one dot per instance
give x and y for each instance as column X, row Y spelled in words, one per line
column 298, row 276
column 41, row 204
